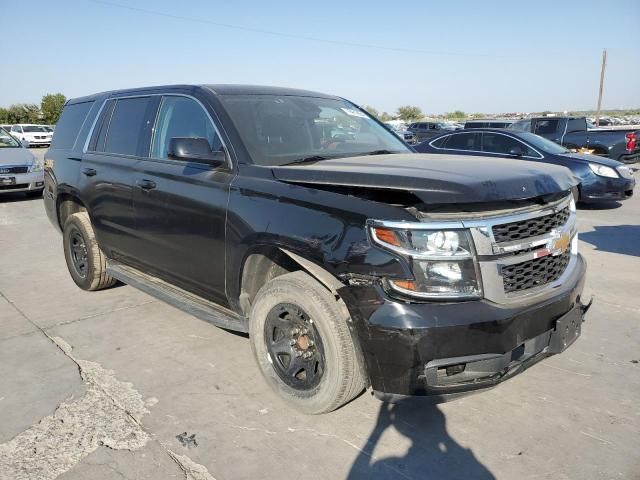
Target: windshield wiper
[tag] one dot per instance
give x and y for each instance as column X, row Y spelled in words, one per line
column 310, row 159
column 383, row 152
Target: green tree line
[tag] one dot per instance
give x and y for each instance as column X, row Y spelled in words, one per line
column 47, row 113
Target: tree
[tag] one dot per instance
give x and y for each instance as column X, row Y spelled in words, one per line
column 458, row 115
column 372, row 111
column 51, row 107
column 385, row 117
column 4, row 115
column 23, row 113
column 409, row 112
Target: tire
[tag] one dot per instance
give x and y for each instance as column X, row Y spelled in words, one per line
column 85, row 261
column 576, row 194
column 336, row 359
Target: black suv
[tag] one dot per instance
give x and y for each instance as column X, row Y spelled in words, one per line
column 297, row 217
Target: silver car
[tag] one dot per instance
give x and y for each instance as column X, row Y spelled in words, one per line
column 20, row 170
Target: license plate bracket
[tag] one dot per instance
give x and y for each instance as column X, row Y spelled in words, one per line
column 7, row 180
column 567, row 330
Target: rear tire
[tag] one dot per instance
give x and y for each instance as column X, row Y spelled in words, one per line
column 326, row 348
column 85, row 261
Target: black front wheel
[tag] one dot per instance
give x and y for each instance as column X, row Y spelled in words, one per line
column 302, row 342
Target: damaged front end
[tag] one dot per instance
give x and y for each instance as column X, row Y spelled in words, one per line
column 490, row 293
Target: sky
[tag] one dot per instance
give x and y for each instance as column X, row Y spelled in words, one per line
column 490, row 56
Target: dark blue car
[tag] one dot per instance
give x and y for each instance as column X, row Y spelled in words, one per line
column 601, row 179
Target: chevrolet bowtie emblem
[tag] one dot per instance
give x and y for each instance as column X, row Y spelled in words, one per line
column 562, row 243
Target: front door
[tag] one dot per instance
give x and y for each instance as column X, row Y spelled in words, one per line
column 180, row 207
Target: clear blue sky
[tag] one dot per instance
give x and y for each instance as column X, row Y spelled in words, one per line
column 490, row 56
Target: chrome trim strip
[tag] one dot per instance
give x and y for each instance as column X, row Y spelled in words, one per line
column 93, row 126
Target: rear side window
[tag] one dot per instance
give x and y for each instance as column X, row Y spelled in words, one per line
column 546, row 126
column 69, row 125
column 125, row 130
column 439, row 143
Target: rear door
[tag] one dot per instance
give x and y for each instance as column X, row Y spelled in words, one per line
column 180, row 207
column 107, row 172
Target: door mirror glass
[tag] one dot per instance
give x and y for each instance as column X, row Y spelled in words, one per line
column 194, row 149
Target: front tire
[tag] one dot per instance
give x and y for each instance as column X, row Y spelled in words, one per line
column 85, row 261
column 303, row 345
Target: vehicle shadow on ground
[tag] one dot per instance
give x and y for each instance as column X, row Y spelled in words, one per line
column 599, row 206
column 615, row 238
column 433, row 454
column 18, row 197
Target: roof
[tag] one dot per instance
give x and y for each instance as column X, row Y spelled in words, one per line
column 216, row 89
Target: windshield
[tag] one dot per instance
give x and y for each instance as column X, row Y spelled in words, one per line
column 281, row 129
column 6, row 140
column 33, row 128
column 543, row 144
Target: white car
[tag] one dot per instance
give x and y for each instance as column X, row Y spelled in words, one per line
column 35, row 135
column 20, row 170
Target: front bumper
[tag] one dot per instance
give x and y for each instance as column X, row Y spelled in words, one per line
column 408, row 347
column 24, row 182
column 607, row 189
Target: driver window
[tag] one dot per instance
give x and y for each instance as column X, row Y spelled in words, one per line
column 181, row 117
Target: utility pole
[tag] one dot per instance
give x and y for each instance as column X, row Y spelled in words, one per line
column 604, row 65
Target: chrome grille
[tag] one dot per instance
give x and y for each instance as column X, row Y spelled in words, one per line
column 24, row 169
column 529, row 228
column 534, row 273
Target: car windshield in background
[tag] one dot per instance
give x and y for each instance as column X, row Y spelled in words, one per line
column 542, row 143
column 282, row 129
column 33, row 129
column 6, row 140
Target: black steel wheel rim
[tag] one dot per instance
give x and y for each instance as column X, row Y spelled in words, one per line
column 78, row 252
column 294, row 346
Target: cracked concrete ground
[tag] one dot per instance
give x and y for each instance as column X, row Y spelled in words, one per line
column 575, row 415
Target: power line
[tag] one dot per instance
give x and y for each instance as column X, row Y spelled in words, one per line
column 294, row 36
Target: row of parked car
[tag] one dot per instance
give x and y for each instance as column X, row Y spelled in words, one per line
column 32, row 135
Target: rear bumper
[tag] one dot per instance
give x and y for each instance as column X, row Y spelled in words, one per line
column 409, row 347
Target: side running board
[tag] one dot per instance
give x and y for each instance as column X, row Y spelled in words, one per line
column 179, row 298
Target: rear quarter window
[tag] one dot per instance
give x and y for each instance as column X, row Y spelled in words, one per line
column 68, row 127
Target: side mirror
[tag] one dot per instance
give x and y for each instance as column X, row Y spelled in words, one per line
column 195, row 150
column 25, row 143
column 516, row 152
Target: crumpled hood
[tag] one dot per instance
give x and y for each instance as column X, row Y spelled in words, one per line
column 16, row 156
column 588, row 157
column 437, row 178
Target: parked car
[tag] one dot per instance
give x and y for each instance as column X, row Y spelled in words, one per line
column 488, row 123
column 405, row 135
column 425, row 130
column 601, row 179
column 36, row 135
column 573, row 133
column 350, row 263
column 6, row 127
column 20, row 170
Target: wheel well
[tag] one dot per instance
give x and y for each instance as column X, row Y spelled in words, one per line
column 68, row 205
column 259, row 268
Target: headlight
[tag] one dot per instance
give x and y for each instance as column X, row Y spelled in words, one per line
column 603, row 171
column 37, row 166
column 442, row 261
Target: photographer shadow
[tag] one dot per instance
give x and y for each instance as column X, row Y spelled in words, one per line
column 433, row 454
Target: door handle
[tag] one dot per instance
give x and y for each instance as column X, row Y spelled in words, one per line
column 89, row 172
column 146, row 184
